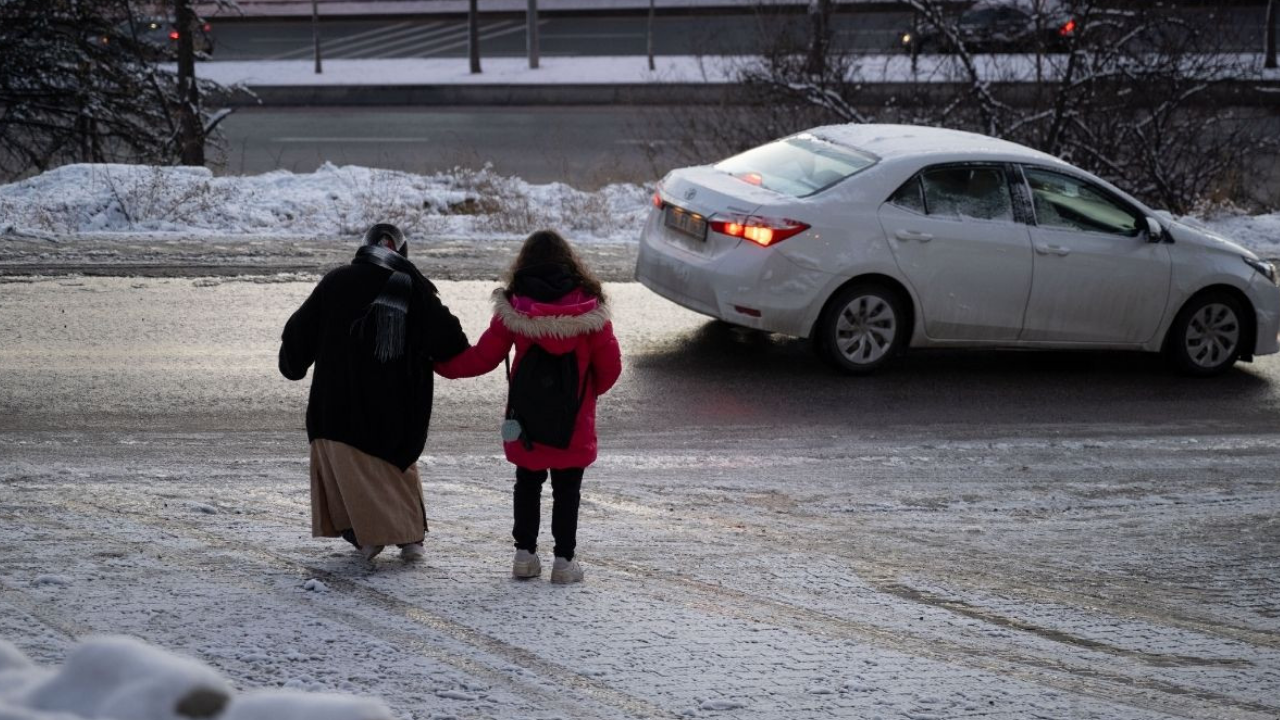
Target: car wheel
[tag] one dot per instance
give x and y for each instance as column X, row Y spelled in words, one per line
column 863, row 329
column 1206, row 336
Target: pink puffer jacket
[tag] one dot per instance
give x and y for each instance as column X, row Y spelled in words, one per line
column 576, row 322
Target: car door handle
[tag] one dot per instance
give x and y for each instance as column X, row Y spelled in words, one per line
column 1058, row 250
column 913, row 235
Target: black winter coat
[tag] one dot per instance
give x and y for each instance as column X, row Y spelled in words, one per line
column 382, row 409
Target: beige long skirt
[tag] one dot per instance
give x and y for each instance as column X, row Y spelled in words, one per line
column 351, row 490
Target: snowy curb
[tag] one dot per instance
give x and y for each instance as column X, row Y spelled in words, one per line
column 120, row 677
column 633, row 70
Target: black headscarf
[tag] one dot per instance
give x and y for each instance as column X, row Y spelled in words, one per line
column 389, row 311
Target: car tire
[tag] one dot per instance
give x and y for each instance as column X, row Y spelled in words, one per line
column 1207, row 336
column 864, row 328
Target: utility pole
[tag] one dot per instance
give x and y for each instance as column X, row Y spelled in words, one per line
column 190, row 124
column 1271, row 33
column 315, row 31
column 473, row 36
column 531, row 36
column 652, row 67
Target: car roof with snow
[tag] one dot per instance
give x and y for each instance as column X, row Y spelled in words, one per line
column 932, row 144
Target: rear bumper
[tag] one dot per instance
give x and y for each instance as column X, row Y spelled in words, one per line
column 732, row 285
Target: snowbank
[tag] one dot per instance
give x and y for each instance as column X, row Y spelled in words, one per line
column 331, row 201
column 120, row 677
column 139, row 201
column 580, row 70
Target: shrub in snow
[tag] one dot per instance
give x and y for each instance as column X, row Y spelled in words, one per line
column 119, row 678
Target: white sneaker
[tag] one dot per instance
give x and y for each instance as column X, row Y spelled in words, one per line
column 412, row 552
column 369, row 552
column 526, row 565
column 564, row 571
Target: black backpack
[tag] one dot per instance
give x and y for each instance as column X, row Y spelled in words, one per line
column 543, row 397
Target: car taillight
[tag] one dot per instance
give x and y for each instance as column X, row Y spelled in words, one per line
column 761, row 231
column 206, row 27
column 173, row 35
column 751, row 178
column 1068, row 28
column 657, row 199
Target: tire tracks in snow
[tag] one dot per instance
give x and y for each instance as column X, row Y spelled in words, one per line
column 1142, row 693
column 590, row 696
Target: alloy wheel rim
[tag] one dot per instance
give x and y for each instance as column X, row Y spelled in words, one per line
column 1212, row 335
column 865, row 329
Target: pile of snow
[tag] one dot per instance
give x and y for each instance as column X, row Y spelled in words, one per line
column 343, row 201
column 331, row 201
column 122, row 678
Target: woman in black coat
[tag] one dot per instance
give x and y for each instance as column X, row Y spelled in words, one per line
column 374, row 330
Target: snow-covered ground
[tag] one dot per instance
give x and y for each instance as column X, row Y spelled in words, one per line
column 763, row 540
column 115, row 202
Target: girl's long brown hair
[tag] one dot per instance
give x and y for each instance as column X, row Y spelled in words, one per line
column 547, row 246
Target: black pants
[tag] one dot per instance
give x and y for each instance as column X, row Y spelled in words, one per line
column 566, row 491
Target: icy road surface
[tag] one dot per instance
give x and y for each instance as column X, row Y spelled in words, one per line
column 975, row 535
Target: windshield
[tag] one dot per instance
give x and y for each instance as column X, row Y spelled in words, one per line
column 797, row 166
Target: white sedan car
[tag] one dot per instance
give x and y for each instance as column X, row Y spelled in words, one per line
column 869, row 239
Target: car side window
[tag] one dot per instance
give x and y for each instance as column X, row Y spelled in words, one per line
column 980, row 193
column 1063, row 202
column 908, row 196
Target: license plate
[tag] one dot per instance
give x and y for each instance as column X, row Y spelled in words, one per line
column 683, row 221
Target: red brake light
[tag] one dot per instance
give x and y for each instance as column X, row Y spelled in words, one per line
column 206, row 27
column 173, row 35
column 752, row 178
column 761, row 231
column 1068, row 28
column 657, row 199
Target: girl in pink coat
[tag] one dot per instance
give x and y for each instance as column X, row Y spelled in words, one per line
column 552, row 306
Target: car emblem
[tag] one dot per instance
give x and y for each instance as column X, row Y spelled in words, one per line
column 688, row 194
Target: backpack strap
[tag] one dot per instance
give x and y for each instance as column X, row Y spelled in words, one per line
column 586, row 381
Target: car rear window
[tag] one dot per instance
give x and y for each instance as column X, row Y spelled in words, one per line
column 797, row 166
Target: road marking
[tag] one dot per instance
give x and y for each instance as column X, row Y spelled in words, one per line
column 377, row 45
column 353, row 49
column 462, row 43
column 336, row 139
column 455, row 34
column 303, row 51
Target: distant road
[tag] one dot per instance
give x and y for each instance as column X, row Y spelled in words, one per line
column 505, row 35
column 583, row 146
column 561, row 34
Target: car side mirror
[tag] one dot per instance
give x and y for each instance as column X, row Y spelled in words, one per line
column 1155, row 233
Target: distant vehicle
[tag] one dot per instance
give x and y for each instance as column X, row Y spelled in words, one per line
column 1000, row 26
column 869, row 239
column 161, row 34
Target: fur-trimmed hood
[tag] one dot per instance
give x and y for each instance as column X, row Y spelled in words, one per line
column 551, row 323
